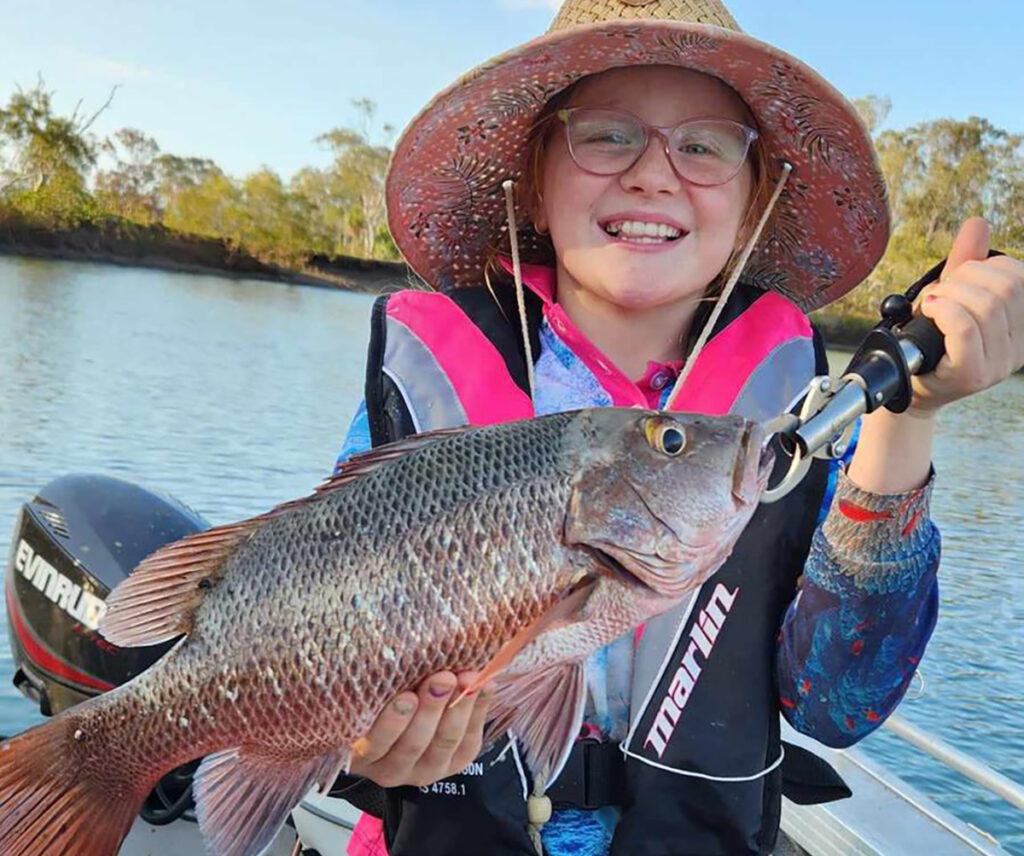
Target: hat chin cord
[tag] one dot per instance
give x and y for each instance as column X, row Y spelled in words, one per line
column 508, row 187
column 517, row 272
column 723, row 298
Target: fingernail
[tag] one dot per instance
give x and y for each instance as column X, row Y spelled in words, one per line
column 403, row 707
column 440, row 690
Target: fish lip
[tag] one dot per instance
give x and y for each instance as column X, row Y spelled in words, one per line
column 766, row 464
column 617, row 571
column 750, row 482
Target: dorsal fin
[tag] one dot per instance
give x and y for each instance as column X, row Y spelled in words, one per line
column 156, row 603
column 364, row 462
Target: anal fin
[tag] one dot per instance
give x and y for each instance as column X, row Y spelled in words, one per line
column 244, row 795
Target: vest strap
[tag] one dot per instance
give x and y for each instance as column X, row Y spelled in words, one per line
column 594, row 775
column 694, row 774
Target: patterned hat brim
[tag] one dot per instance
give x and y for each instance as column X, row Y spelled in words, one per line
column 829, row 228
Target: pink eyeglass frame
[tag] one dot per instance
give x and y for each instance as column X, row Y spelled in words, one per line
column 665, row 132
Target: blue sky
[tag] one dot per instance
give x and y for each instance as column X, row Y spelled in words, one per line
column 250, row 82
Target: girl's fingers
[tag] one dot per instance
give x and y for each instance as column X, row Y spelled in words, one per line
column 436, row 761
column 991, row 316
column 390, row 725
column 472, row 740
column 434, row 694
column 964, row 352
column 979, row 308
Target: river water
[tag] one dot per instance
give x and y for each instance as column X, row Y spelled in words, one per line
column 235, row 395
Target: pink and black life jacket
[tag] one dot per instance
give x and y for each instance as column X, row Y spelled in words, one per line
column 701, row 770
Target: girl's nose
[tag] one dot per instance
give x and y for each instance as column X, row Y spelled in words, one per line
column 653, row 171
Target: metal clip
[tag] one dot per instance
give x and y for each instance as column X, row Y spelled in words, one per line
column 819, row 392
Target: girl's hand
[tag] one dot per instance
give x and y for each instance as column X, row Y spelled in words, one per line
column 418, row 739
column 978, row 304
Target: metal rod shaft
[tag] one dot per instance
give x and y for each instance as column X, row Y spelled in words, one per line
column 974, row 770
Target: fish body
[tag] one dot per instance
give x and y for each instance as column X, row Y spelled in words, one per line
column 515, row 549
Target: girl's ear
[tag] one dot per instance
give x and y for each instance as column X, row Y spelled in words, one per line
column 538, row 216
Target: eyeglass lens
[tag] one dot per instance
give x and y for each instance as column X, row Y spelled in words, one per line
column 704, row 151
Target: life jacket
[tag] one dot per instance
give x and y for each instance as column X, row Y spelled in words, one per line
column 703, row 759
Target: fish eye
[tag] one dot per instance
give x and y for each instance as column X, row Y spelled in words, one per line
column 673, row 441
column 665, row 437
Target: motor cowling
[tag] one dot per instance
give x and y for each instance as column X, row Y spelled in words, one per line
column 73, row 543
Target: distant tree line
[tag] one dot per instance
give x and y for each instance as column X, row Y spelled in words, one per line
column 56, row 173
column 940, row 173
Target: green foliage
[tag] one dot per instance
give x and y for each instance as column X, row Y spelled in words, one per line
column 55, row 174
column 45, row 159
column 939, row 174
column 129, row 189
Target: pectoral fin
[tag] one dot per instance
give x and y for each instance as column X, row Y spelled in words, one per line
column 544, row 710
column 566, row 611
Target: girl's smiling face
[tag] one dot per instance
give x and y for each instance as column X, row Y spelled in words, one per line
column 577, row 206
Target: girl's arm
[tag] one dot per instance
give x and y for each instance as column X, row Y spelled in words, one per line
column 852, row 638
column 358, row 437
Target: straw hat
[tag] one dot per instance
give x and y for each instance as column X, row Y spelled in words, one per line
column 827, row 232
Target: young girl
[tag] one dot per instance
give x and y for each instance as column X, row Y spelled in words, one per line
column 648, row 140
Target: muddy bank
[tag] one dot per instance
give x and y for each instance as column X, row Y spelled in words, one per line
column 154, row 246
column 843, row 332
column 132, row 245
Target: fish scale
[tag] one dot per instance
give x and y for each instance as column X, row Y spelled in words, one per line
column 515, row 550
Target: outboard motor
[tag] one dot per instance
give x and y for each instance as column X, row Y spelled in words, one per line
column 77, row 539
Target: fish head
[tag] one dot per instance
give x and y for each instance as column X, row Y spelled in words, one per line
column 661, row 498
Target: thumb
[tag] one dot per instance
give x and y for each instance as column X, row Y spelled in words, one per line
column 970, row 244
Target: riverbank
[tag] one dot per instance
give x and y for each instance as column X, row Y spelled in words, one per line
column 132, row 245
column 842, row 332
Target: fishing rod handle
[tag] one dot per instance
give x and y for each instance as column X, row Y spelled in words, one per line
column 927, row 345
column 921, row 331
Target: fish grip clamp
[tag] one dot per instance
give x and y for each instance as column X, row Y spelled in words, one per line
column 879, row 374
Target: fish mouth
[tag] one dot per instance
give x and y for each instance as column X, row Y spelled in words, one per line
column 755, row 460
column 615, row 570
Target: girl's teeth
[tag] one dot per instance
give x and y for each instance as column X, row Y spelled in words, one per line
column 639, row 230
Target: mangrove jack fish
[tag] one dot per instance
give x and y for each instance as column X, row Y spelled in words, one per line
column 513, row 549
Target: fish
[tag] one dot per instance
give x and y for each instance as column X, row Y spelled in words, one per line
column 515, row 550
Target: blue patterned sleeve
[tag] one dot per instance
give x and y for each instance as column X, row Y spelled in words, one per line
column 358, row 437
column 867, row 604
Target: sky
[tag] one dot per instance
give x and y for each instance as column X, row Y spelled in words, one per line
column 251, row 83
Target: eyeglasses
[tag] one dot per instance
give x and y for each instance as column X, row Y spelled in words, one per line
column 703, row 151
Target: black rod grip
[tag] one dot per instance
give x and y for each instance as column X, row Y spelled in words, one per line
column 922, row 331
column 928, row 338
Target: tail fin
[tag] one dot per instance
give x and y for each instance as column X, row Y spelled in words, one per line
column 49, row 805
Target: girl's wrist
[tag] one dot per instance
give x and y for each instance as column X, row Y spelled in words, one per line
column 894, row 451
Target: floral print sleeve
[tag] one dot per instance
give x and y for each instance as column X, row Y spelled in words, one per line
column 358, row 437
column 852, row 638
